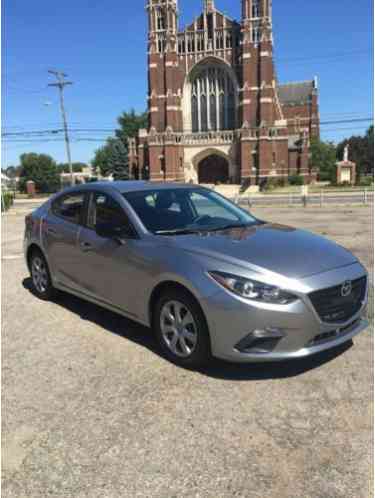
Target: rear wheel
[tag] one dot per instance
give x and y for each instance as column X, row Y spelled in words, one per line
column 40, row 275
column 181, row 329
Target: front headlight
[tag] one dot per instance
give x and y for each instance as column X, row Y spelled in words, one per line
column 251, row 289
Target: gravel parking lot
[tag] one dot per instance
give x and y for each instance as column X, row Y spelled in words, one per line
column 90, row 409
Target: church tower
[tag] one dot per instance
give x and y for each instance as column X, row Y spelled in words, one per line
column 257, row 55
column 165, row 114
column 260, row 106
column 162, row 52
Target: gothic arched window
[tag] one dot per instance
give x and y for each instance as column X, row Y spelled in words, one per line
column 160, row 20
column 213, row 103
column 194, row 112
column 255, row 9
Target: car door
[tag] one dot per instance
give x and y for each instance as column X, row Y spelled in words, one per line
column 60, row 236
column 109, row 267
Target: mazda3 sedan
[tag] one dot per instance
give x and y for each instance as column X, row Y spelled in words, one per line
column 208, row 277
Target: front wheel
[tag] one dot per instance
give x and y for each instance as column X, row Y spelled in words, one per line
column 181, row 329
column 40, row 275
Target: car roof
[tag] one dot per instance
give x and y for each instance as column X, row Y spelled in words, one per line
column 130, row 186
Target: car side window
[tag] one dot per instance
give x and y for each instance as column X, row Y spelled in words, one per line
column 105, row 210
column 70, row 207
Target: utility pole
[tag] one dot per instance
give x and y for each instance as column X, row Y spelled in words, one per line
column 61, row 84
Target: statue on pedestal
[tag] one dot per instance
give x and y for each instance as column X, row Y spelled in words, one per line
column 346, row 154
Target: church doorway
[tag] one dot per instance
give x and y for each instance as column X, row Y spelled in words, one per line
column 213, row 169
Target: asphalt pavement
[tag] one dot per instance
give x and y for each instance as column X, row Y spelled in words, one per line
column 91, row 410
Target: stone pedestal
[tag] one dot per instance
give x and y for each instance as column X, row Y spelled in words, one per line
column 346, row 172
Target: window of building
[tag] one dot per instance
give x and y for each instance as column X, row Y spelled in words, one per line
column 181, row 45
column 228, row 39
column 70, row 207
column 190, row 42
column 255, row 8
column 256, row 34
column 194, row 113
column 213, row 112
column 160, row 20
column 213, row 102
column 219, row 40
column 200, row 42
column 161, row 44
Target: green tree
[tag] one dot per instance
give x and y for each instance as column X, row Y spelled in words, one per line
column 112, row 158
column 118, row 159
column 130, row 123
column 41, row 169
column 323, row 157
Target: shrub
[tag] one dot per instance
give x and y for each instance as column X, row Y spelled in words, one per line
column 296, row 180
column 366, row 181
column 7, row 199
column 270, row 184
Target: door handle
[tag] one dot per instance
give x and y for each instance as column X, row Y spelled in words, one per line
column 86, row 246
column 51, row 231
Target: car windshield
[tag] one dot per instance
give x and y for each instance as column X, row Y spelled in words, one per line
column 181, row 211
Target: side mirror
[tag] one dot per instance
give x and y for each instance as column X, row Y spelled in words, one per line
column 117, row 233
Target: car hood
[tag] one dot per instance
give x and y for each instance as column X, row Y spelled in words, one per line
column 280, row 249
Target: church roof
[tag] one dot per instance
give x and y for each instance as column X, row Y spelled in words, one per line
column 296, row 93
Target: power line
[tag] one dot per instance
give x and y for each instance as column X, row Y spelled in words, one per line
column 333, row 115
column 112, row 130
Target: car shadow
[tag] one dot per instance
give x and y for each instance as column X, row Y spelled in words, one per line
column 219, row 369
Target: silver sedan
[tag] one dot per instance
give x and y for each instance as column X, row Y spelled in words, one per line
column 205, row 275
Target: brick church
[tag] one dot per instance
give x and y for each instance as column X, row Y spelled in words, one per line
column 217, row 113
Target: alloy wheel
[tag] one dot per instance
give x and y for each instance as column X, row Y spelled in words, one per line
column 39, row 274
column 178, row 328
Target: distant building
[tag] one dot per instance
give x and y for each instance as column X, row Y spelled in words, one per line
column 5, row 181
column 81, row 177
column 217, row 112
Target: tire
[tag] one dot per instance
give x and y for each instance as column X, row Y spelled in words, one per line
column 40, row 276
column 181, row 329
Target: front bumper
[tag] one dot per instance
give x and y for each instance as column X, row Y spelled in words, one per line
column 232, row 320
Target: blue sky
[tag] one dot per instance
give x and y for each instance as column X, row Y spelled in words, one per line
column 102, row 47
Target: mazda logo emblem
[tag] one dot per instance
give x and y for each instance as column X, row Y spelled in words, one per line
column 346, row 289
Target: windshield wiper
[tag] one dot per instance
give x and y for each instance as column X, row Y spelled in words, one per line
column 179, row 231
column 231, row 225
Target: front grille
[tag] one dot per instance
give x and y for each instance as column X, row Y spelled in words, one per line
column 333, row 307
